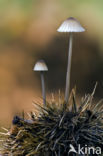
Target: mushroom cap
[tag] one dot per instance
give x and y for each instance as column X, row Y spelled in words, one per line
column 40, row 66
column 70, row 25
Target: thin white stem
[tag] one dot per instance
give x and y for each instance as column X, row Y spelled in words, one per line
column 43, row 88
column 68, row 70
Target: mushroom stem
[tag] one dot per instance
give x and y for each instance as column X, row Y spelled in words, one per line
column 68, row 69
column 43, row 87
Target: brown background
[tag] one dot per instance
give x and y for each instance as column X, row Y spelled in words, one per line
column 28, row 33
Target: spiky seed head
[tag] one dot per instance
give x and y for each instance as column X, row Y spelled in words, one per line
column 40, row 66
column 70, row 25
column 50, row 132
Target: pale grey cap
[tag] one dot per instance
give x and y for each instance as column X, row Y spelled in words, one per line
column 40, row 66
column 70, row 25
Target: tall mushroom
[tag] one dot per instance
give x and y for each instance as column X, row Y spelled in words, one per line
column 70, row 25
column 42, row 67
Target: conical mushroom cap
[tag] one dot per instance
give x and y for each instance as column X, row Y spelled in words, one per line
column 70, row 25
column 40, row 66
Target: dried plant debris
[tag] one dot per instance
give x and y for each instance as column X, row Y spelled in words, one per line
column 57, row 129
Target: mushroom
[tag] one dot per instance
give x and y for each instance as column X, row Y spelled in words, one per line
column 42, row 67
column 70, row 25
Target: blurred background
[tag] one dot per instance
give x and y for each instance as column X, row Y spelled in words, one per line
column 28, row 33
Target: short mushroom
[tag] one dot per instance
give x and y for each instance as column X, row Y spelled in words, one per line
column 42, row 67
column 70, row 25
